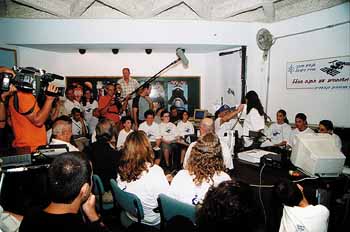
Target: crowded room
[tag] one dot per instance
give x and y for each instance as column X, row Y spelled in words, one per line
column 171, row 115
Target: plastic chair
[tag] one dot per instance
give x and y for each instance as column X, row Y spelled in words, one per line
column 170, row 207
column 129, row 203
column 99, row 190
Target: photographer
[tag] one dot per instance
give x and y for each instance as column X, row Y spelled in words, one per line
column 108, row 105
column 27, row 119
column 3, row 102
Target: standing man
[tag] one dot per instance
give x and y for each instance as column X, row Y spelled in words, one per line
column 128, row 85
column 141, row 103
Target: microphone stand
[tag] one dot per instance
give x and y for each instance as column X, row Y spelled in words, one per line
column 155, row 76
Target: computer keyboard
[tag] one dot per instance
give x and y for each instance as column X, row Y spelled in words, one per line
column 16, row 160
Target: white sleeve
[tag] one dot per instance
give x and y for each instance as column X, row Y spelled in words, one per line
column 191, row 128
column 157, row 131
column 187, row 154
column 287, row 130
column 228, row 161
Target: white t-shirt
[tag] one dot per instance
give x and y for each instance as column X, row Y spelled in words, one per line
column 147, row 188
column 278, row 133
column 228, row 161
column 88, row 109
column 296, row 131
column 184, row 189
column 220, row 130
column 77, row 127
column 253, row 122
column 304, row 219
column 152, row 131
column 92, row 123
column 168, row 131
column 69, row 105
column 122, row 137
column 337, row 141
column 70, row 146
column 185, row 128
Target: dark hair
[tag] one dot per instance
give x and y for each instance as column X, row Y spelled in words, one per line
column 83, row 99
column 148, row 112
column 164, row 112
column 288, row 193
column 254, row 102
column 173, row 107
column 126, row 118
column 159, row 108
column 301, row 116
column 67, row 174
column 104, row 130
column 75, row 110
column 65, row 118
column 229, row 205
column 182, row 114
column 146, row 86
column 328, row 124
column 284, row 113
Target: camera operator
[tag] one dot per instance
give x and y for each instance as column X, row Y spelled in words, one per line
column 3, row 103
column 27, row 119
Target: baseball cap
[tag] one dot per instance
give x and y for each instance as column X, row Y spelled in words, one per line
column 223, row 108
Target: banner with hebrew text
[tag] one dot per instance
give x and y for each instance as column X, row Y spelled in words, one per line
column 327, row 74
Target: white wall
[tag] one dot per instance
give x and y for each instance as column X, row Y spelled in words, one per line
column 316, row 104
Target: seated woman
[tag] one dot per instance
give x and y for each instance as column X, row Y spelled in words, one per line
column 139, row 175
column 205, row 168
column 184, row 127
column 254, row 120
column 298, row 214
column 279, row 132
column 326, row 126
column 168, row 133
column 301, row 127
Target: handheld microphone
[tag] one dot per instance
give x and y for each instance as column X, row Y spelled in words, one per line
column 181, row 55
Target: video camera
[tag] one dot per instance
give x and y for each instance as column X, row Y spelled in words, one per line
column 29, row 79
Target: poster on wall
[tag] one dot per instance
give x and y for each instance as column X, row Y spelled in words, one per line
column 178, row 92
column 328, row 74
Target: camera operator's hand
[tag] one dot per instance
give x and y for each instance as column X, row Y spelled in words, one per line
column 8, row 93
column 112, row 101
column 51, row 92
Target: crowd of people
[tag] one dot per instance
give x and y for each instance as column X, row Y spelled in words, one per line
column 124, row 138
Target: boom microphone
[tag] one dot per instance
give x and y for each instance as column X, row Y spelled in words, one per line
column 181, row 55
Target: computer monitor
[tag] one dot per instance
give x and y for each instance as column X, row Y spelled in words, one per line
column 199, row 114
column 317, row 154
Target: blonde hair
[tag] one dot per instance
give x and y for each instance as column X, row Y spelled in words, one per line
column 137, row 154
column 206, row 158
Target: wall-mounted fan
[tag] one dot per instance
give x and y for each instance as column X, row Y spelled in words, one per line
column 264, row 39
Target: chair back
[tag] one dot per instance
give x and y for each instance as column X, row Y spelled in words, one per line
column 170, row 207
column 129, row 202
column 98, row 190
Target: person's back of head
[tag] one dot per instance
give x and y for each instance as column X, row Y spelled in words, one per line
column 104, row 130
column 206, row 126
column 288, row 193
column 229, row 205
column 67, row 175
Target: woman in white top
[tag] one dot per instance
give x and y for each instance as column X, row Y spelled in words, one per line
column 298, row 214
column 205, row 168
column 254, row 120
column 168, row 134
column 88, row 104
column 138, row 174
column 279, row 132
column 184, row 127
column 326, row 126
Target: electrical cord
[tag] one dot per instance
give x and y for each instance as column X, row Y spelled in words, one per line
column 260, row 198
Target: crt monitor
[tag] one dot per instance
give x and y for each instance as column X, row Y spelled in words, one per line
column 199, row 114
column 317, row 154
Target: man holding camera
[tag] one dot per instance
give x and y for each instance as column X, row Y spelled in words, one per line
column 27, row 119
column 108, row 105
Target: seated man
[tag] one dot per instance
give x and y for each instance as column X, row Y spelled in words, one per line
column 70, row 181
column 207, row 126
column 62, row 132
column 301, row 127
column 298, row 214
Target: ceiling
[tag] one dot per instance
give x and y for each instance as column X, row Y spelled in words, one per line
column 213, row 10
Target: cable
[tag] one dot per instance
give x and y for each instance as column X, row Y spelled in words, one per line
column 260, row 198
column 306, row 178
